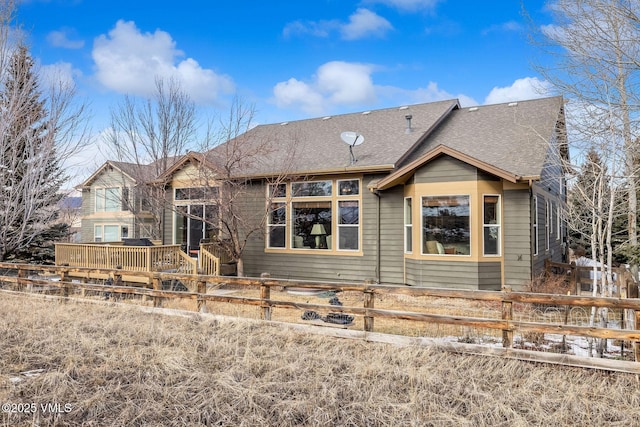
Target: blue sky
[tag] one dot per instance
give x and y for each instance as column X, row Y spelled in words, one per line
column 292, row 60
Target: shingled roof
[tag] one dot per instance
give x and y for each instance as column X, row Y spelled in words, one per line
column 510, row 138
column 319, row 149
column 135, row 172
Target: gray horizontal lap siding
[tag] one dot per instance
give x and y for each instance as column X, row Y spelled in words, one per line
column 554, row 252
column 517, row 238
column 445, row 169
column 108, row 178
column 452, row 274
column 391, row 235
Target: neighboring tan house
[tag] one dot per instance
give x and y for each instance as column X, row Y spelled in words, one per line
column 428, row 195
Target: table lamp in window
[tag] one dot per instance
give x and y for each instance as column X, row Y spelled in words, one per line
column 318, row 231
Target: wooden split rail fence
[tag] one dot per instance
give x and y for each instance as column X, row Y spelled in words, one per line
column 21, row 276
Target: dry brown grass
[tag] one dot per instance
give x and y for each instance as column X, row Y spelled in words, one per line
column 118, row 366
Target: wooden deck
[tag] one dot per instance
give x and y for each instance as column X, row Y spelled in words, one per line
column 164, row 258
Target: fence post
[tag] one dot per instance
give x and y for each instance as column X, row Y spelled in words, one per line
column 21, row 275
column 575, row 278
column 265, row 295
column 507, row 314
column 65, row 287
column 369, row 302
column 157, row 286
column 202, row 289
column 83, row 291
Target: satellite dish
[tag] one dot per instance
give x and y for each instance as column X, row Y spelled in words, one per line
column 352, row 139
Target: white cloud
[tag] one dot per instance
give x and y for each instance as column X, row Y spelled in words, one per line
column 362, row 23
column 128, row 61
column 409, row 5
column 314, row 28
column 59, row 75
column 61, row 38
column 525, row 88
column 335, row 83
column 430, row 93
column 509, row 26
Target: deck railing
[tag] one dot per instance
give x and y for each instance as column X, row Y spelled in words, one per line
column 130, row 258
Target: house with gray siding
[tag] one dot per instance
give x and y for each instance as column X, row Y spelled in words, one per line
column 435, row 195
column 111, row 211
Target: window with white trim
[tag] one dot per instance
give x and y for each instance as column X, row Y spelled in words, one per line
column 108, row 199
column 110, row 233
column 557, row 215
column 534, row 225
column 277, row 216
column 491, row 225
column 408, row 225
column 547, row 225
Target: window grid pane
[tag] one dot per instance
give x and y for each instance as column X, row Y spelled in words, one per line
column 348, row 225
column 491, row 225
column 408, row 225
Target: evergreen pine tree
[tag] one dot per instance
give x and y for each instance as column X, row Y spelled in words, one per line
column 30, row 175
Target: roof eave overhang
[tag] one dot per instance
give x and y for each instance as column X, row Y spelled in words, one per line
column 401, row 175
column 347, row 170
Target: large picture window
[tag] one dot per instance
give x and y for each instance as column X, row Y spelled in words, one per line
column 312, row 225
column 446, row 225
column 491, row 225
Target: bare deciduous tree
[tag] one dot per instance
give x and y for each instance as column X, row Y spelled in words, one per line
column 230, row 156
column 148, row 136
column 596, row 47
column 596, row 44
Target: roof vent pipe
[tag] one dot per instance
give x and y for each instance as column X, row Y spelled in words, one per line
column 408, row 129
